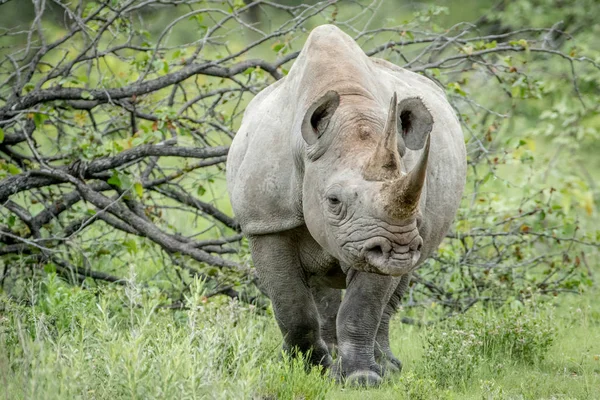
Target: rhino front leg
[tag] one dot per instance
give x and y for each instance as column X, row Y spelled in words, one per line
column 328, row 302
column 383, row 352
column 282, row 278
column 358, row 321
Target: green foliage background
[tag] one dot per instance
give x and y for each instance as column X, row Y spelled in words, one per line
column 526, row 234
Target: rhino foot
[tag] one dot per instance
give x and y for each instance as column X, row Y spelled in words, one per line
column 358, row 378
column 387, row 360
column 335, row 373
column 323, row 360
column 364, row 378
column 391, row 365
column 313, row 357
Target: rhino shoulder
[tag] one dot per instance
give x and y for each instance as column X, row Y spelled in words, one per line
column 261, row 170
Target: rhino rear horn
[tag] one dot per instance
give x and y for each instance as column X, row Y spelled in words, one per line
column 391, row 126
column 384, row 164
column 317, row 116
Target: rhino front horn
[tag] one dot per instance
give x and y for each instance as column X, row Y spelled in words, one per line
column 415, row 179
column 407, row 189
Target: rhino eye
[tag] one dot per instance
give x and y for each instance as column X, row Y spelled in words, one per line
column 334, row 203
column 333, row 200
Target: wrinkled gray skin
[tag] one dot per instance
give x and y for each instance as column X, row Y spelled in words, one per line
column 344, row 174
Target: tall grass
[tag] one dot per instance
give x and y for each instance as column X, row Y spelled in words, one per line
column 120, row 343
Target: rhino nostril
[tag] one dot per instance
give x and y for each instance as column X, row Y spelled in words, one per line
column 416, row 244
column 375, row 251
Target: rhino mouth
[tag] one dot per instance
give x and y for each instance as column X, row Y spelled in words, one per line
column 381, row 256
column 382, row 248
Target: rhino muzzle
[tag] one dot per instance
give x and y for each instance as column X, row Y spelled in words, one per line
column 383, row 257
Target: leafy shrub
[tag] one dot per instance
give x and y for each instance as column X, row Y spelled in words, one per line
column 456, row 349
column 520, row 334
column 451, row 355
column 491, row 391
column 416, row 387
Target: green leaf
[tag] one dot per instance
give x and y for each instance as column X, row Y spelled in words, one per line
column 197, row 17
column 86, row 95
column 13, row 169
column 542, row 215
column 201, row 190
column 278, row 46
column 39, row 119
column 114, row 179
column 457, row 89
column 491, row 45
column 139, row 189
column 487, row 177
column 1, row 135
column 50, row 267
column 131, row 246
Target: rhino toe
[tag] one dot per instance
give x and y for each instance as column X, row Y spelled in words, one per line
column 389, row 363
column 391, row 366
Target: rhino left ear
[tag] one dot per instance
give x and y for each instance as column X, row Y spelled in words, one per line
column 317, row 116
column 414, row 122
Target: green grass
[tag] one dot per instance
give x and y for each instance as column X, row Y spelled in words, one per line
column 117, row 343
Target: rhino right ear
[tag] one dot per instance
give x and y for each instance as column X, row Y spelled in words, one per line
column 317, row 116
column 415, row 122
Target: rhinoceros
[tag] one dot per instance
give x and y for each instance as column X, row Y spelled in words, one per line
column 344, row 174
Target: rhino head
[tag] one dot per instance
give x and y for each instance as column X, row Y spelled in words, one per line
column 358, row 203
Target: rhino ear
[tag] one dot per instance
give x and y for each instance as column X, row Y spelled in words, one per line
column 414, row 122
column 317, row 116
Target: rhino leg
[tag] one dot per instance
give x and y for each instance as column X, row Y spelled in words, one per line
column 328, row 302
column 383, row 352
column 281, row 275
column 357, row 324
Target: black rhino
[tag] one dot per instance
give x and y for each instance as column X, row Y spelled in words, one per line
column 345, row 174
